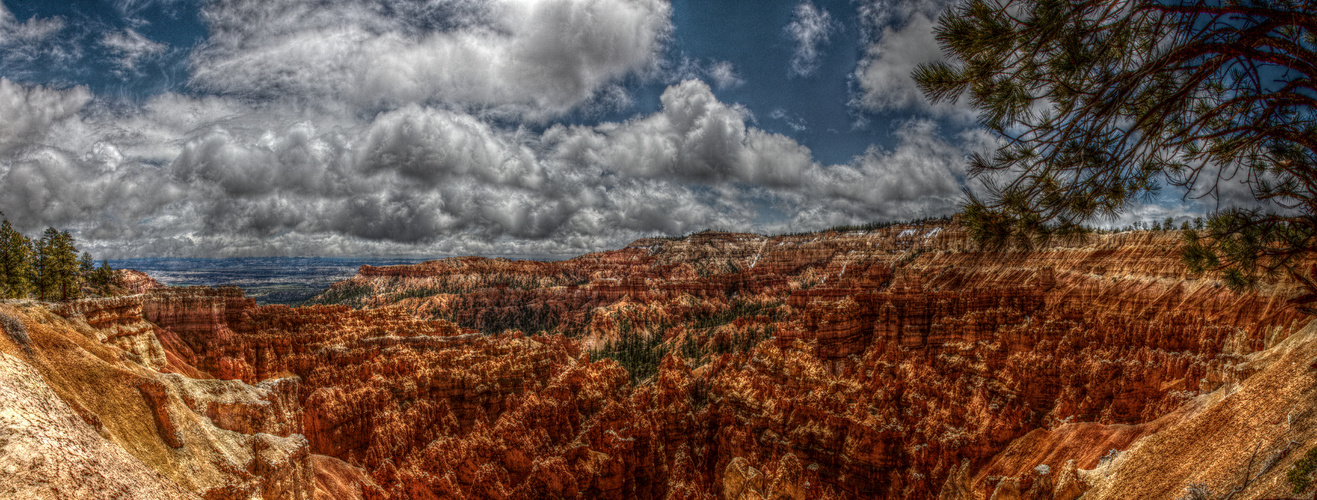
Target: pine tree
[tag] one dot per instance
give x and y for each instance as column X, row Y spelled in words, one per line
column 102, row 277
column 44, row 268
column 56, row 266
column 70, row 280
column 15, row 262
column 87, row 273
column 1099, row 103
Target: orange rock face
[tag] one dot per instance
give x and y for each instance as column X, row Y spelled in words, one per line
column 134, row 281
column 892, row 357
column 897, row 363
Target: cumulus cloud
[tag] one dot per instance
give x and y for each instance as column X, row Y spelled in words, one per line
column 810, row 28
column 877, row 14
column 884, row 72
column 695, row 139
column 191, row 175
column 29, row 112
column 899, row 36
column 529, row 59
column 130, row 47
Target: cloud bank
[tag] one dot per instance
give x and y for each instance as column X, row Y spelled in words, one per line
column 218, row 176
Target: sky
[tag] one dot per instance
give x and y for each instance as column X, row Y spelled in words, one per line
column 545, row 128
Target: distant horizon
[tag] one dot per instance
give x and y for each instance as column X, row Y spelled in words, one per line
column 417, row 258
column 421, row 257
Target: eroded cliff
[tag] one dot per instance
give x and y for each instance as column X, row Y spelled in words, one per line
column 895, row 363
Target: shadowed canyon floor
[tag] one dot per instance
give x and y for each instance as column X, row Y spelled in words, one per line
column 895, row 363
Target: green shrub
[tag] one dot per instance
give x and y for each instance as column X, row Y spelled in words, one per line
column 639, row 355
column 16, row 331
column 1300, row 475
column 348, row 293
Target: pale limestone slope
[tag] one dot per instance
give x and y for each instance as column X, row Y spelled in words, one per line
column 46, row 451
column 215, row 439
column 1269, row 419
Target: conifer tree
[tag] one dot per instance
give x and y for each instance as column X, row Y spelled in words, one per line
column 70, row 279
column 43, row 265
column 56, row 266
column 15, row 262
column 85, row 266
column 1100, row 103
column 102, row 277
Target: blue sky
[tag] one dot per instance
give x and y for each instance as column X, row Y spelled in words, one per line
column 814, row 108
column 530, row 127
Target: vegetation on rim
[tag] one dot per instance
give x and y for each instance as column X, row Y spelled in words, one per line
column 48, row 268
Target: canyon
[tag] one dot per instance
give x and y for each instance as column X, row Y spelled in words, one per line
column 894, row 362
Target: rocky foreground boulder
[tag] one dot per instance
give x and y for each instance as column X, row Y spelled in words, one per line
column 894, row 363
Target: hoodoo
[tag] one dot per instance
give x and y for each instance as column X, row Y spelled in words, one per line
column 896, row 363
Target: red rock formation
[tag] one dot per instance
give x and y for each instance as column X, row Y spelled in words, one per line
column 897, row 363
column 134, row 281
column 901, row 354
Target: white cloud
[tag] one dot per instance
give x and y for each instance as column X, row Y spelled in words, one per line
column 131, row 47
column 30, row 31
column 724, row 75
column 21, row 44
column 811, row 27
column 695, row 139
column 376, row 127
column 878, row 14
column 433, row 146
column 884, row 72
column 795, row 122
column 530, row 59
column 921, row 176
column 196, row 176
column 29, row 112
